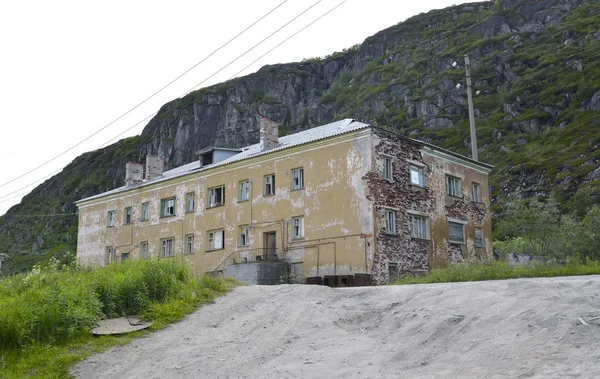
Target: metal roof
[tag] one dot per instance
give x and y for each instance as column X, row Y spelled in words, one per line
column 315, row 134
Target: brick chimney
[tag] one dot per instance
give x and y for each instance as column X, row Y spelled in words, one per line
column 269, row 134
column 134, row 173
column 154, row 166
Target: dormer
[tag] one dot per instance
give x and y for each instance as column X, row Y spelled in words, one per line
column 210, row 155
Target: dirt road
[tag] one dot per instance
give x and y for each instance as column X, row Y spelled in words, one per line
column 498, row 329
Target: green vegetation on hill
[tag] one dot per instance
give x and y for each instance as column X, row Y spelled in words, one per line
column 47, row 314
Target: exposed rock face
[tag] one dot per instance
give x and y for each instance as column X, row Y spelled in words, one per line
column 534, row 63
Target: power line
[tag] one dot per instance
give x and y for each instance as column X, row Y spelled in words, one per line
column 287, row 39
column 145, row 100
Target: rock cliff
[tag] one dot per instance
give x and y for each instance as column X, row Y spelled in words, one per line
column 535, row 69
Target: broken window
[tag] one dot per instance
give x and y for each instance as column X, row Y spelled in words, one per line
column 109, row 255
column 244, row 236
column 167, row 207
column 417, row 176
column 190, row 202
column 110, row 221
column 393, row 271
column 128, row 215
column 244, row 190
column 419, row 227
column 216, row 196
column 168, row 247
column 453, row 186
column 456, row 232
column 124, row 257
column 390, row 221
column 478, row 237
column 297, row 178
column 144, row 250
column 387, row 168
column 476, row 193
column 270, row 185
column 145, row 211
column 189, row 246
column 215, row 240
column 298, row 227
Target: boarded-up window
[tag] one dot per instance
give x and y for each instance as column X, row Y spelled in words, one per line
column 478, row 237
column 215, row 240
column 456, row 232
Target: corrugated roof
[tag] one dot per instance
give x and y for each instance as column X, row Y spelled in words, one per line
column 285, row 142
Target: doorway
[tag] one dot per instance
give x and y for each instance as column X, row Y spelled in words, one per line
column 270, row 245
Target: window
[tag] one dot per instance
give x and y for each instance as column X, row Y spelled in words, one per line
column 453, row 186
column 167, row 207
column 387, row 168
column 128, row 215
column 244, row 239
column 189, row 202
column 478, row 237
column 216, row 196
column 110, row 255
column 298, row 227
column 189, row 244
column 110, row 221
column 244, row 190
column 456, row 232
column 215, row 240
column 168, row 247
column 144, row 250
column 297, row 178
column 270, row 185
column 390, row 221
column 417, row 177
column 419, row 227
column 124, row 257
column 145, row 211
column 476, row 193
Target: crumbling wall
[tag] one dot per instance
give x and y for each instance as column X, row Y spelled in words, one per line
column 411, row 255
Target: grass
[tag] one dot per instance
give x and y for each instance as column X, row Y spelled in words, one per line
column 495, row 270
column 47, row 314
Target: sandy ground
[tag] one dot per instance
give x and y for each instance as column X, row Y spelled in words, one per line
column 526, row 328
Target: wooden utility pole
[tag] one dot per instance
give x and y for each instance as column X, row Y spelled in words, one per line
column 471, row 109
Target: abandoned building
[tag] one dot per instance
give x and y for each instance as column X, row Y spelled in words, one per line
column 342, row 203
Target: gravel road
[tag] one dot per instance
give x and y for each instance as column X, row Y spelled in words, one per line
column 534, row 328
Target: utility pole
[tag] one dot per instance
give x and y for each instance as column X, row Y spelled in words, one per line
column 471, row 109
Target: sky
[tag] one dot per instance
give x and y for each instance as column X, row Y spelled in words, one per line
column 70, row 68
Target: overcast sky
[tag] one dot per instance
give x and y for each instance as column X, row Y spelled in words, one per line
column 69, row 68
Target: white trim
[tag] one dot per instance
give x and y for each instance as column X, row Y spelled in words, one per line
column 456, row 160
column 457, row 221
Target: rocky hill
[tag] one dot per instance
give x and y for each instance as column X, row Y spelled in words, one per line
column 536, row 65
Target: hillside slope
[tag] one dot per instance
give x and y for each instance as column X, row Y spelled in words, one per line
column 498, row 329
column 536, row 65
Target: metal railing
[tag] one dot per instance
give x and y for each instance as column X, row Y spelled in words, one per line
column 249, row 256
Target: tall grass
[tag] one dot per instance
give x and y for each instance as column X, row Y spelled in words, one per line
column 475, row 271
column 51, row 310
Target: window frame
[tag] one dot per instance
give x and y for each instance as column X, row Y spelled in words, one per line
column 212, row 197
column 271, row 184
column 110, row 218
column 390, row 229
column 188, row 196
column 171, row 247
column 244, row 195
column 109, row 255
column 244, row 233
column 210, row 239
column 145, row 216
column 127, row 215
column 476, row 199
column 124, row 257
column 482, row 244
column 163, row 203
column 464, row 236
column 458, row 180
column 412, row 218
column 420, row 171
column 300, row 185
column 387, row 164
column 299, row 232
column 144, row 253
column 189, row 244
